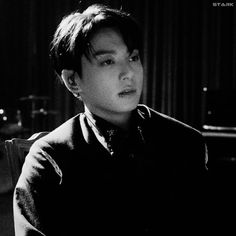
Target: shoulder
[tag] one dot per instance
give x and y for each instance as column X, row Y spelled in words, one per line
column 174, row 136
column 163, row 123
column 64, row 132
column 61, row 138
column 57, row 145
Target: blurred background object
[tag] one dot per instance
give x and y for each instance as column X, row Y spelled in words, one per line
column 221, row 109
column 32, row 115
column 35, row 114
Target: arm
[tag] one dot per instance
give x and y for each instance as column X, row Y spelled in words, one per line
column 34, row 193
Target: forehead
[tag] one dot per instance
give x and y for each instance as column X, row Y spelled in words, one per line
column 107, row 39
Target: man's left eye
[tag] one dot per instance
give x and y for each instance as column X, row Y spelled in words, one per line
column 134, row 58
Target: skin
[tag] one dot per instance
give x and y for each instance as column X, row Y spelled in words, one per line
column 112, row 80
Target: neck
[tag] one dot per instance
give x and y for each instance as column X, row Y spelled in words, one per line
column 121, row 120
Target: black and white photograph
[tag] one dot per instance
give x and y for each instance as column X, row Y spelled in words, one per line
column 117, row 117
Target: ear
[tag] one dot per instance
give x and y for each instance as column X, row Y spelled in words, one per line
column 71, row 81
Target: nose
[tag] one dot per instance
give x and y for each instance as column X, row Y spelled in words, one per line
column 126, row 71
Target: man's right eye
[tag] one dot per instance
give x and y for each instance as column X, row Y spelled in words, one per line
column 107, row 62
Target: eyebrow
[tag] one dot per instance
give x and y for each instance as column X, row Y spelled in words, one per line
column 103, row 52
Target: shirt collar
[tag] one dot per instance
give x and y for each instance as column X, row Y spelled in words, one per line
column 111, row 131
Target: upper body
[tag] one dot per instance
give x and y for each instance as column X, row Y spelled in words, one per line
column 118, row 167
column 80, row 179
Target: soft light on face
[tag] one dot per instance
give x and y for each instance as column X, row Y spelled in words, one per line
column 112, row 79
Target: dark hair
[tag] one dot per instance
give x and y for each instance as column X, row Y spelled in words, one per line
column 72, row 37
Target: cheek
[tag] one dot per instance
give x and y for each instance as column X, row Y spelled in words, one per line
column 100, row 82
column 139, row 75
column 99, row 87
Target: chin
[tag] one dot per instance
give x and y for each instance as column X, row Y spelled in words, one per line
column 128, row 107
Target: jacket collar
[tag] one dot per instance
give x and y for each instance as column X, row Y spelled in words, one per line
column 112, row 134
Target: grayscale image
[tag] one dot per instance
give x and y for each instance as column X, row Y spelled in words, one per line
column 117, row 117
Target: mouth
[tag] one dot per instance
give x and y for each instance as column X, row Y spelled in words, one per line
column 127, row 92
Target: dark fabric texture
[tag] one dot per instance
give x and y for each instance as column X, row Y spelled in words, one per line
column 71, row 185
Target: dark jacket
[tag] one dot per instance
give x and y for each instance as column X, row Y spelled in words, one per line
column 75, row 181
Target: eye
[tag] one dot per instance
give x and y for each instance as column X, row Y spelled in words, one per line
column 107, row 62
column 134, row 57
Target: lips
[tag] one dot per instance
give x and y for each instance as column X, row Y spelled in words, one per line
column 128, row 91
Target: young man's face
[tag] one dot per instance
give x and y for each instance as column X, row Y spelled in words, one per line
column 112, row 80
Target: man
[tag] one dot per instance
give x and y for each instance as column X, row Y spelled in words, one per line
column 117, row 168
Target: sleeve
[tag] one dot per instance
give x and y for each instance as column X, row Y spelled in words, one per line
column 34, row 193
